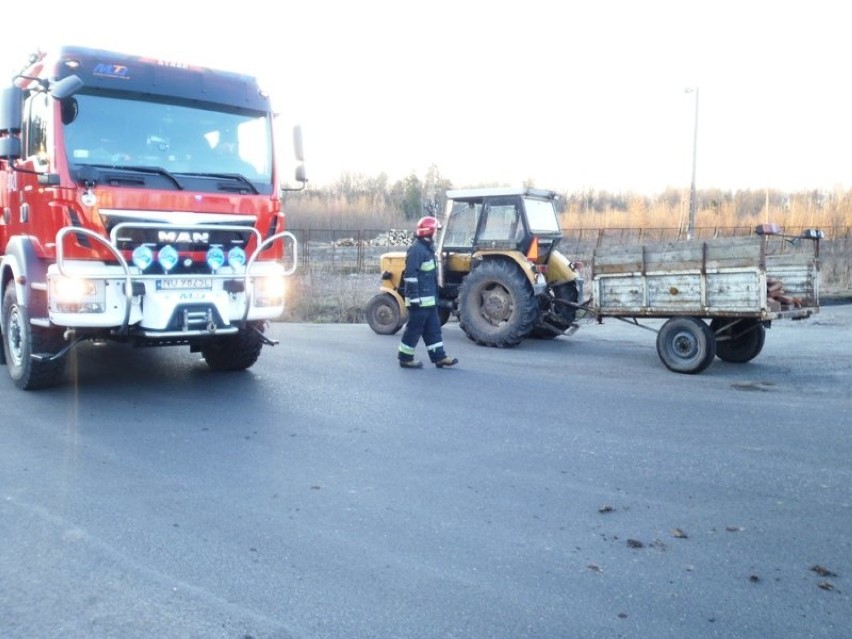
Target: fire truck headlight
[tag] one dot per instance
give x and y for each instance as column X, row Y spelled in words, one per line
column 215, row 258
column 168, row 257
column 143, row 256
column 237, row 257
column 269, row 291
column 77, row 295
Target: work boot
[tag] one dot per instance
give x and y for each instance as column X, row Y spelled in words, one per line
column 446, row 361
column 410, row 363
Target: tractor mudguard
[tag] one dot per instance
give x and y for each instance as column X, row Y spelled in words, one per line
column 519, row 258
column 559, row 270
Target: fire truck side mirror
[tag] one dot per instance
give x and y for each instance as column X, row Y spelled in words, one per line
column 301, row 176
column 10, row 148
column 299, row 152
column 11, row 110
column 298, row 143
column 66, row 87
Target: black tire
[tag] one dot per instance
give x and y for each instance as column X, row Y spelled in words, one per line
column 543, row 332
column 566, row 313
column 383, row 314
column 233, row 352
column 496, row 305
column 686, row 345
column 21, row 339
column 738, row 342
column 567, row 295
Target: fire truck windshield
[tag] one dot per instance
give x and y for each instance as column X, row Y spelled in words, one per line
column 101, row 130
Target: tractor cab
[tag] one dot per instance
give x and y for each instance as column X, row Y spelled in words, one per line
column 519, row 224
column 502, row 219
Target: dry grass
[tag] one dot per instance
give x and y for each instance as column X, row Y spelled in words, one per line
column 320, row 295
column 796, row 212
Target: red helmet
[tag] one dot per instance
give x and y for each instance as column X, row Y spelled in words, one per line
column 426, row 226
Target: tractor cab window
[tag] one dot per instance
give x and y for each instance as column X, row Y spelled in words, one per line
column 461, row 224
column 502, row 223
column 541, row 216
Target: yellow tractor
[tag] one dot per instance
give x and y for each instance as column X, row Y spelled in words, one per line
column 499, row 270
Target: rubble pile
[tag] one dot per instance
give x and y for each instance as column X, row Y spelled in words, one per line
column 393, row 237
column 348, row 241
column 777, row 297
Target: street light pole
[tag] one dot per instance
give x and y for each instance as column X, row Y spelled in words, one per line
column 690, row 228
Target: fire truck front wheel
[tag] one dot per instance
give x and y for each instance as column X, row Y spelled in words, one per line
column 21, row 339
column 234, row 352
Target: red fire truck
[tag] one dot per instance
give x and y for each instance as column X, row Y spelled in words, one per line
column 140, row 203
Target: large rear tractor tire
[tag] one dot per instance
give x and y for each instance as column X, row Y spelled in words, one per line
column 686, row 345
column 496, row 305
column 21, row 339
column 738, row 342
column 383, row 314
column 233, row 352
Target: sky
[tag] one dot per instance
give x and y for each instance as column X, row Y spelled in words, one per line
column 571, row 96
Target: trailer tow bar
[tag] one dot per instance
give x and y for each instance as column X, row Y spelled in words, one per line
column 599, row 317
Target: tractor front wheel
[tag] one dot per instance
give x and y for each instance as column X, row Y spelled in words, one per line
column 383, row 314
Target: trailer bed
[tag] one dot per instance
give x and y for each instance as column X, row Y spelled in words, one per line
column 729, row 277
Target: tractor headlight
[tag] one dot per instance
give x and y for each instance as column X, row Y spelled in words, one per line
column 77, row 295
column 269, row 291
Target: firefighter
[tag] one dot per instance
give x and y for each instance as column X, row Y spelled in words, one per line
column 421, row 299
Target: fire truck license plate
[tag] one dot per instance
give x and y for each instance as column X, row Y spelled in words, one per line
column 185, row 284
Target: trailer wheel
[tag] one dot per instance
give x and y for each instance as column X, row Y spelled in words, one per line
column 21, row 339
column 740, row 341
column 496, row 305
column 383, row 314
column 233, row 352
column 686, row 345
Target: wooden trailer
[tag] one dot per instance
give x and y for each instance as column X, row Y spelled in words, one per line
column 718, row 296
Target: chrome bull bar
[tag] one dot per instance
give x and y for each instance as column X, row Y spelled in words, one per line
column 247, row 276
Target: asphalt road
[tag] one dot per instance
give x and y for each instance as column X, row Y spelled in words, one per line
column 567, row 488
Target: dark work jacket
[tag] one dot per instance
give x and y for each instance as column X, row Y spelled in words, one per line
column 421, row 274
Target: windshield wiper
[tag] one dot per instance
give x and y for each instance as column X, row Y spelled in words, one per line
column 239, row 177
column 151, row 170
